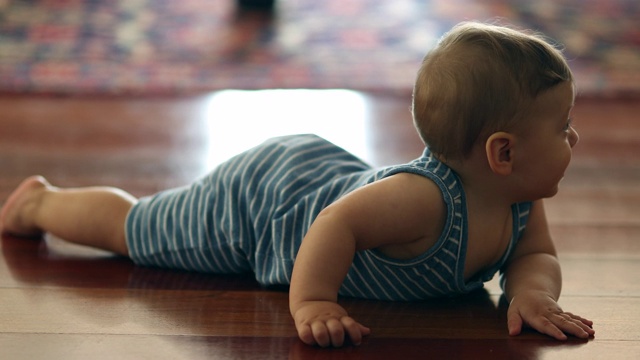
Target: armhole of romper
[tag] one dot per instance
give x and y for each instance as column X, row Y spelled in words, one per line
column 446, row 229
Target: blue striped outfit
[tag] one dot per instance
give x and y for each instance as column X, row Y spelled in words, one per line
column 252, row 212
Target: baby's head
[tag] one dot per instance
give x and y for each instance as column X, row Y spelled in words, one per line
column 478, row 80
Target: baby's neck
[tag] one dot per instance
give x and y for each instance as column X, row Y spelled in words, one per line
column 482, row 186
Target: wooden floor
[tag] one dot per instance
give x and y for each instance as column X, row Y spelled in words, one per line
column 59, row 301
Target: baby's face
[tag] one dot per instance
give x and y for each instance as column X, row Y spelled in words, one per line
column 545, row 147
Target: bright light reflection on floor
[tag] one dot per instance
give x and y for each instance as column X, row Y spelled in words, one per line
column 238, row 120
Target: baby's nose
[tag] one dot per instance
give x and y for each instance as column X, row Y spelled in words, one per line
column 573, row 137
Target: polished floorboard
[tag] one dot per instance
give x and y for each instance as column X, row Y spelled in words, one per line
column 61, row 301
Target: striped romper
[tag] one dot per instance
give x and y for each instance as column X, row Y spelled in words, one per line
column 252, row 212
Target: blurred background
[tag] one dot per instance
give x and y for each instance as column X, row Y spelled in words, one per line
column 175, row 47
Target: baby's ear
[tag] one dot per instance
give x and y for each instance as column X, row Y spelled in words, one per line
column 499, row 150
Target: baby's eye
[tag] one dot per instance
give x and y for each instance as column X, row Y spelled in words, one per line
column 567, row 125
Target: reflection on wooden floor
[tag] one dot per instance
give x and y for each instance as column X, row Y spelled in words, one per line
column 59, row 301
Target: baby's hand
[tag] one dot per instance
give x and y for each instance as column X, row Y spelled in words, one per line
column 326, row 323
column 541, row 312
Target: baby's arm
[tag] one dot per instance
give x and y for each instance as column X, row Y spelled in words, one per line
column 533, row 283
column 388, row 213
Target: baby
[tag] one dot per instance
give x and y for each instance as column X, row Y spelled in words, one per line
column 492, row 105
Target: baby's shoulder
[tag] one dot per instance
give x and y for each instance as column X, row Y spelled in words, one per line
column 415, row 194
column 412, row 185
column 420, row 207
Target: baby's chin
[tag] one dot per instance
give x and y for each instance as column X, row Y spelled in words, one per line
column 548, row 194
column 553, row 192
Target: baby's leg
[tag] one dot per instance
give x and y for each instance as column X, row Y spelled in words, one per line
column 93, row 216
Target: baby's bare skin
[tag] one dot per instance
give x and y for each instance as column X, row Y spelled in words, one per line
column 18, row 212
column 92, row 216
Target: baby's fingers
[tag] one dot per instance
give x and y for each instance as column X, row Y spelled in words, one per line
column 333, row 332
column 586, row 322
column 558, row 325
column 321, row 334
column 336, row 332
column 355, row 330
column 305, row 334
column 582, row 325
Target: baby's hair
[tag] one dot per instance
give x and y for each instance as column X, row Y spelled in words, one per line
column 479, row 79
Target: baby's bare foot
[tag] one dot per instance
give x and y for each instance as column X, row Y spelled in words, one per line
column 17, row 215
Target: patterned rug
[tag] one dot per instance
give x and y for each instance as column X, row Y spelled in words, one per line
column 187, row 46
